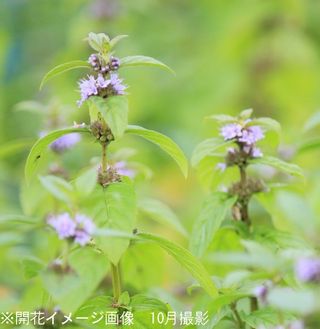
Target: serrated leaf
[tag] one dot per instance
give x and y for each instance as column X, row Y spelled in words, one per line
column 287, row 167
column 99, row 42
column 208, row 147
column 63, row 68
column 164, row 142
column 160, row 212
column 114, row 110
column 119, row 214
column 58, row 187
column 209, row 221
column 140, row 60
column 186, row 259
column 41, row 145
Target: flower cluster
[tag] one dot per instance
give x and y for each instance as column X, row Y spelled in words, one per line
column 79, row 229
column 65, row 142
column 100, row 86
column 245, row 136
column 99, row 66
column 308, row 269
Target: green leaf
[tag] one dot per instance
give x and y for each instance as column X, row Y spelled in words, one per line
column 267, row 123
column 119, row 214
column 262, row 317
column 145, row 303
column 124, row 298
column 114, row 110
column 164, row 142
column 208, row 147
column 64, row 68
column 245, row 114
column 86, row 182
column 99, row 42
column 70, row 290
column 289, row 168
column 186, row 259
column 32, row 267
column 143, row 60
column 160, row 212
column 58, row 187
column 312, row 122
column 222, row 118
column 308, row 144
column 41, row 145
column 116, row 39
column 209, row 221
column 17, row 219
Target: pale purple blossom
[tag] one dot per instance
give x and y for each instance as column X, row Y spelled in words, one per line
column 123, row 170
column 88, row 87
column 231, row 131
column 116, row 84
column 101, row 82
column 261, row 292
column 251, row 135
column 80, row 228
column 65, row 142
column 63, row 224
column 256, row 152
column 221, row 166
column 308, row 269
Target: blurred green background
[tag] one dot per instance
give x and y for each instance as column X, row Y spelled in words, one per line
column 227, row 55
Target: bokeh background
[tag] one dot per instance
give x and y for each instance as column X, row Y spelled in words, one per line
column 227, row 55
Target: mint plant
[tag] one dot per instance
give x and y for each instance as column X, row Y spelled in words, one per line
column 92, row 220
column 260, row 251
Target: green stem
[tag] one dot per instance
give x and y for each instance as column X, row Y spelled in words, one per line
column 104, row 158
column 116, row 282
column 237, row 316
column 244, row 204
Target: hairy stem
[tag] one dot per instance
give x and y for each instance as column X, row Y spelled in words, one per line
column 116, row 282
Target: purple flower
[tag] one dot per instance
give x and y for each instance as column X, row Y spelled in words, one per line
column 102, row 82
column 231, row 130
column 296, row 325
column 88, row 88
column 116, row 84
column 65, row 142
column 123, row 170
column 85, row 227
column 82, row 238
column 80, row 228
column 63, row 224
column 308, row 269
column 251, row 135
column 256, row 152
column 221, row 166
column 262, row 291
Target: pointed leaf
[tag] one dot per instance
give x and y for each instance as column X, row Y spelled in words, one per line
column 160, row 212
column 64, row 68
column 289, row 168
column 164, row 142
column 143, row 60
column 208, row 147
column 186, row 259
column 116, row 39
column 41, row 145
column 209, row 221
